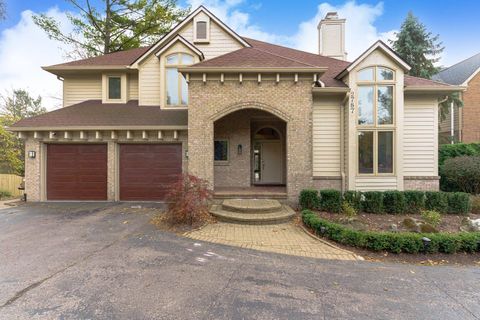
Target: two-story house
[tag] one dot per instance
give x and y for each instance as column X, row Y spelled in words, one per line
column 248, row 116
column 462, row 124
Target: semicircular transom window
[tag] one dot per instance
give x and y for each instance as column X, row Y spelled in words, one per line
column 176, row 85
column 267, row 134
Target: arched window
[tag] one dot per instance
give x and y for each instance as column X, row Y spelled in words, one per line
column 177, row 87
column 376, row 120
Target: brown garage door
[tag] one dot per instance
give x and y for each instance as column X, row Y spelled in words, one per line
column 77, row 172
column 147, row 170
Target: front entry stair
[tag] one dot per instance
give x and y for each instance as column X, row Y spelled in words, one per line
column 252, row 211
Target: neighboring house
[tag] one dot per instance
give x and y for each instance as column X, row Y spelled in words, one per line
column 237, row 112
column 462, row 124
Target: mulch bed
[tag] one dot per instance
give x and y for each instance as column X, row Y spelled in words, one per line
column 382, row 222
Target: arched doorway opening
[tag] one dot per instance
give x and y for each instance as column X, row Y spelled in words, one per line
column 249, row 150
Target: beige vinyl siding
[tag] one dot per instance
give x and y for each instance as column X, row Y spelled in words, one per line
column 77, row 89
column 149, row 82
column 220, row 41
column 376, row 183
column 420, row 137
column 132, row 82
column 326, row 138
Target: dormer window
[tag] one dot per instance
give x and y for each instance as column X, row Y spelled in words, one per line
column 201, row 30
column 114, row 88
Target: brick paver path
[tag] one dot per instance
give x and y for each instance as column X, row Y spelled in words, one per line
column 286, row 238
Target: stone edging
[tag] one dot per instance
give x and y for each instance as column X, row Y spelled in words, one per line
column 421, row 178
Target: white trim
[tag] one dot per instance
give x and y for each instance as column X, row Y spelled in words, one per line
column 196, row 20
column 377, row 45
column 183, row 41
column 179, row 26
column 465, row 83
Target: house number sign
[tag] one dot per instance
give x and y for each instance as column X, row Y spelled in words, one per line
column 352, row 101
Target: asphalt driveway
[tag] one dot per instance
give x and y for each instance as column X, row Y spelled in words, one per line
column 104, row 261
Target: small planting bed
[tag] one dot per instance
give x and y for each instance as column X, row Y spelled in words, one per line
column 450, row 223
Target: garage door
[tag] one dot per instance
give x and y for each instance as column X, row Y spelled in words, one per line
column 147, row 170
column 77, row 172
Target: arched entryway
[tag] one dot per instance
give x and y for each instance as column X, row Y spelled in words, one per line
column 250, row 150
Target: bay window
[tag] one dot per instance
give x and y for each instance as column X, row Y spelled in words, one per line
column 375, row 120
column 176, row 85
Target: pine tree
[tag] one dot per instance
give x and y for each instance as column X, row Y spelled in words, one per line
column 418, row 47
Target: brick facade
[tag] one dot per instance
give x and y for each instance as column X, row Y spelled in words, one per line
column 471, row 111
column 287, row 100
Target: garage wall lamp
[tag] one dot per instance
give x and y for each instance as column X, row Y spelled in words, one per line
column 32, row 154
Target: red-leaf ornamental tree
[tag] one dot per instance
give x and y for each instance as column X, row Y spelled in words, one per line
column 188, row 201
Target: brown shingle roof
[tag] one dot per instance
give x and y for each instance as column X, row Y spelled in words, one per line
column 261, row 54
column 126, row 58
column 94, row 113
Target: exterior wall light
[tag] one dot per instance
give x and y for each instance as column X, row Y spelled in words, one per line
column 426, row 243
column 32, row 154
column 186, row 154
column 239, row 149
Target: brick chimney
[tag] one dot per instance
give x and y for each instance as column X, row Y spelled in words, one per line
column 331, row 37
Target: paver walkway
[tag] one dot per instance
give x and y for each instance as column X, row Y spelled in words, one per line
column 286, row 238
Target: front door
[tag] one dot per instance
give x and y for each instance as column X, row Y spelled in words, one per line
column 271, row 162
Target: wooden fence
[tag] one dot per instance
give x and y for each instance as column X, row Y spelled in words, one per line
column 10, row 183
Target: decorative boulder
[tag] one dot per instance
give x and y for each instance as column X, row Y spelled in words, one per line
column 470, row 225
column 418, row 226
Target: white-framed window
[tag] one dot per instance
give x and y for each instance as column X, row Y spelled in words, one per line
column 220, row 150
column 376, row 120
column 114, row 88
column 176, row 85
column 201, row 30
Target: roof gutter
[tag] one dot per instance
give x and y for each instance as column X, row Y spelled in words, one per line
column 79, row 128
column 330, row 89
column 430, row 89
column 250, row 70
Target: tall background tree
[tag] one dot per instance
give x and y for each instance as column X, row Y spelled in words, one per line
column 422, row 50
column 3, row 10
column 113, row 25
column 15, row 106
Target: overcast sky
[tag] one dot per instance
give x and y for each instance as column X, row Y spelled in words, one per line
column 24, row 48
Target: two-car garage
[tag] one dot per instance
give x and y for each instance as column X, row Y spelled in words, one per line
column 80, row 171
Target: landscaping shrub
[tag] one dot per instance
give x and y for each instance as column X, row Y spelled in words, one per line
column 393, row 242
column 437, row 201
column 354, row 199
column 372, row 202
column 475, row 204
column 330, row 200
column 458, row 203
column 448, row 151
column 432, row 217
column 309, row 199
column 4, row 194
column 461, row 174
column 414, row 201
column 394, row 202
column 348, row 209
column 188, row 201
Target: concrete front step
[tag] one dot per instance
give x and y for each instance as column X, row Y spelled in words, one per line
column 284, row 214
column 251, row 205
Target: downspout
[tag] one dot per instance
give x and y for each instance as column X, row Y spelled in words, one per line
column 452, row 124
column 342, row 142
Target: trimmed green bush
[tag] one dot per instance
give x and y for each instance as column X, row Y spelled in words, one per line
column 461, row 174
column 354, row 199
column 414, row 201
column 394, row 202
column 432, row 217
column 348, row 210
column 331, row 200
column 459, row 203
column 393, row 242
column 447, row 151
column 373, row 202
column 309, row 199
column 436, row 201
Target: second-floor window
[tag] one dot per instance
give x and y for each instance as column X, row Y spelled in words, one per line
column 114, row 88
column 375, row 120
column 177, row 87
